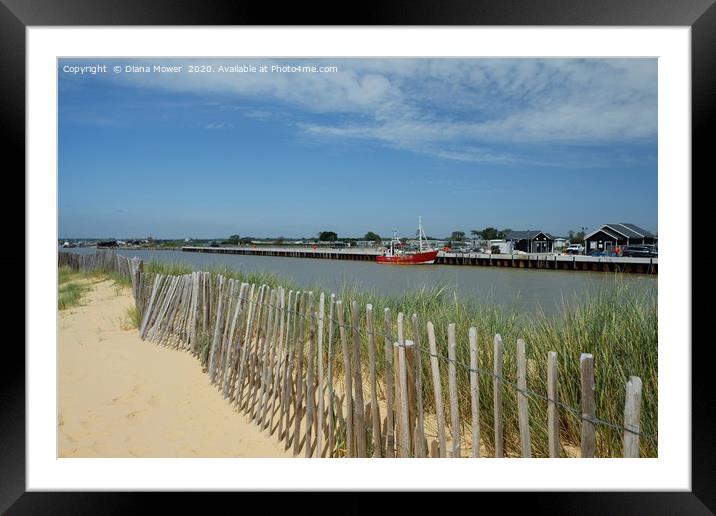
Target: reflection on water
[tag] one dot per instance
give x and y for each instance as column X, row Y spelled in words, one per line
column 521, row 289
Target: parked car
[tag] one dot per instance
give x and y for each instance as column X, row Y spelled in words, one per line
column 574, row 249
column 640, row 251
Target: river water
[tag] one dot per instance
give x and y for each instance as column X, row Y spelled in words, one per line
column 521, row 289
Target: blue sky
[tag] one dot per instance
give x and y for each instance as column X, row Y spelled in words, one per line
column 551, row 144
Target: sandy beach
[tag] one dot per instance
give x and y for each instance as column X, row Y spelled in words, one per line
column 120, row 396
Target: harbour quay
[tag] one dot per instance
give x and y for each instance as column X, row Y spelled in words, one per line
column 522, row 261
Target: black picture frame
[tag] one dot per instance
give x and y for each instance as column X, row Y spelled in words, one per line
column 17, row 15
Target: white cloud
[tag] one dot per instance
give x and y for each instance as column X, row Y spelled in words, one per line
column 452, row 108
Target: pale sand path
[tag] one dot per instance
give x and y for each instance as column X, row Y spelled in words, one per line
column 120, row 396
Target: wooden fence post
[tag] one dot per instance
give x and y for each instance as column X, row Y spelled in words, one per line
column 329, row 381
column 217, row 328
column 310, row 365
column 276, row 390
column 375, row 410
column 268, row 354
column 588, row 442
column 254, row 300
column 632, row 410
column 552, row 407
column 232, row 348
column 284, row 430
column 437, row 389
column 254, row 351
column 404, row 444
column 389, row 387
column 321, row 380
column 150, row 305
column 300, row 344
column 347, row 377
column 420, row 442
column 358, row 405
column 452, row 384
column 474, row 392
column 522, row 400
column 497, row 395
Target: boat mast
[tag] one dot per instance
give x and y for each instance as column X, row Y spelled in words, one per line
column 421, row 233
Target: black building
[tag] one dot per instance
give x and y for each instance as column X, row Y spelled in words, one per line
column 531, row 241
column 613, row 235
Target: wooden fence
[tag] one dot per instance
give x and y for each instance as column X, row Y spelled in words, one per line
column 330, row 380
column 103, row 260
column 294, row 362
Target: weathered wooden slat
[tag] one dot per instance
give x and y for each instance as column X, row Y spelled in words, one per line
column 230, row 303
column 437, row 390
column 412, row 412
column 329, row 381
column 588, row 440
column 150, row 305
column 358, row 404
column 255, row 352
column 271, row 358
column 194, row 311
column 283, row 432
column 375, row 409
column 246, row 345
column 347, row 378
column 310, row 376
column 420, row 446
column 158, row 306
column 404, row 449
column 243, row 323
column 523, row 413
column 265, row 357
column 320, row 428
column 497, row 364
column 278, row 365
column 217, row 327
column 632, row 412
column 160, row 318
column 232, row 340
column 552, row 407
column 298, row 399
column 452, row 386
column 206, row 305
column 474, row 392
column 389, row 387
column 320, row 409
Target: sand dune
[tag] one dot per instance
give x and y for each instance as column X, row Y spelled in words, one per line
column 122, row 397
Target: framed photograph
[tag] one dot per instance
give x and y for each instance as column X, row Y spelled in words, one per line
column 345, row 256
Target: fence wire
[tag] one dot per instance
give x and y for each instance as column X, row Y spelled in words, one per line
column 503, row 380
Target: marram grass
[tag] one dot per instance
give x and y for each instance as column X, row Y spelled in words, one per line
column 615, row 323
column 69, row 290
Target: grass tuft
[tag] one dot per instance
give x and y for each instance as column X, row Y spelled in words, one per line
column 70, row 294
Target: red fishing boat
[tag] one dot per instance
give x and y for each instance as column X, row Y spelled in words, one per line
column 397, row 254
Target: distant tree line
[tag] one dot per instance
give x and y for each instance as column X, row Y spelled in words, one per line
column 236, row 240
column 488, row 233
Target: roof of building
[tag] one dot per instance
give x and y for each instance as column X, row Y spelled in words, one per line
column 526, row 235
column 623, row 229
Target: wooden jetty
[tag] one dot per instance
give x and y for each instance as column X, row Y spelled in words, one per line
column 519, row 261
